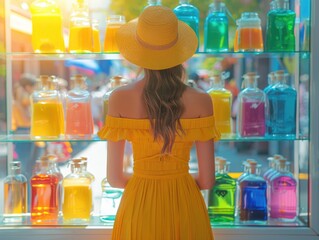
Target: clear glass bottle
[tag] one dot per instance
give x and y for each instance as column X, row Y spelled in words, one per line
column 111, row 198
column 283, row 193
column 113, row 23
column 282, row 98
column 79, row 118
column 221, row 201
column 253, row 196
column 77, row 200
column 248, row 37
column 153, row 3
column 44, row 194
column 222, row 103
column 115, row 82
column 189, row 14
column 81, row 34
column 47, row 32
column 280, row 35
column 216, row 28
column 15, row 196
column 252, row 108
column 47, row 115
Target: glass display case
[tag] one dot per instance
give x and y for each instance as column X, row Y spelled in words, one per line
column 22, row 64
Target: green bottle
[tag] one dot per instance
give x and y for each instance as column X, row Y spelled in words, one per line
column 280, row 35
column 221, row 199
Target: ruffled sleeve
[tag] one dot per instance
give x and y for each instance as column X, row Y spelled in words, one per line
column 200, row 129
column 116, row 129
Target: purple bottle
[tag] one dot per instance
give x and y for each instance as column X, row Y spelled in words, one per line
column 283, row 194
column 252, row 108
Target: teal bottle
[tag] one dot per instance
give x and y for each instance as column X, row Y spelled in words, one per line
column 153, row 3
column 216, row 28
column 189, row 14
column 221, row 202
column 280, row 34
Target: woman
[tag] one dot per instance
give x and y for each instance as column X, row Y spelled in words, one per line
column 162, row 117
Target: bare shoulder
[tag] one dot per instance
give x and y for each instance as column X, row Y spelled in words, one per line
column 123, row 99
column 197, row 103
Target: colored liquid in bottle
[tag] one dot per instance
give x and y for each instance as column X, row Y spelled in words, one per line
column 253, row 200
column 77, row 203
column 47, row 120
column 283, row 196
column 79, row 120
column 44, row 199
column 253, row 119
column 282, row 112
column 222, row 101
column 47, row 33
column 280, row 30
column 216, row 33
column 221, row 204
column 15, row 198
column 249, row 39
column 81, row 39
column 110, row 44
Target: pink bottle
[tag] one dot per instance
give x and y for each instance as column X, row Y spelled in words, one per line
column 283, row 194
column 79, row 119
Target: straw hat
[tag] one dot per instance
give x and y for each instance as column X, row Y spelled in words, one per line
column 157, row 39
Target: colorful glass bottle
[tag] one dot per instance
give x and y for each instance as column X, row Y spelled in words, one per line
column 47, row 116
column 253, row 196
column 222, row 103
column 189, row 14
column 113, row 23
column 77, row 200
column 252, row 108
column 283, row 193
column 81, row 34
column 96, row 36
column 111, row 198
column 44, row 194
column 115, row 82
column 271, row 81
column 221, row 202
column 15, row 194
column 79, row 118
column 216, row 28
column 282, row 98
column 280, row 35
column 153, row 3
column 248, row 37
column 47, row 32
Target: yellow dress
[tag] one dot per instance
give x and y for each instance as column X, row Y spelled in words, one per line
column 161, row 200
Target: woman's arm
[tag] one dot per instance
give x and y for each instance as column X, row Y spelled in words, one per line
column 115, row 171
column 205, row 178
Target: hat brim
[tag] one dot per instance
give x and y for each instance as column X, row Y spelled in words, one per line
column 134, row 52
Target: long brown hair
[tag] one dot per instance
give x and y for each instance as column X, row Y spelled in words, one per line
column 162, row 97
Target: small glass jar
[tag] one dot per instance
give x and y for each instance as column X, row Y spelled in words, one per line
column 113, row 23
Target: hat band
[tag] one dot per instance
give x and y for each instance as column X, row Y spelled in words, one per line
column 156, row 47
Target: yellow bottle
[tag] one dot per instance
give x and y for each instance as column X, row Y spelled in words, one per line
column 222, row 103
column 96, row 36
column 77, row 200
column 47, row 115
column 81, row 31
column 47, row 34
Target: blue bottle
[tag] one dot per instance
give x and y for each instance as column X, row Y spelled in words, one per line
column 282, row 99
column 216, row 28
column 271, row 81
column 189, row 14
column 253, row 196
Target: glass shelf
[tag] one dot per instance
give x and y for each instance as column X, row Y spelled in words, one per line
column 26, row 138
column 117, row 56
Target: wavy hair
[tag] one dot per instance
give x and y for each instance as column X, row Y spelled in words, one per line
column 162, row 97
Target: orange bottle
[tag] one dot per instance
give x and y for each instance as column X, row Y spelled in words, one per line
column 113, row 23
column 81, row 32
column 249, row 34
